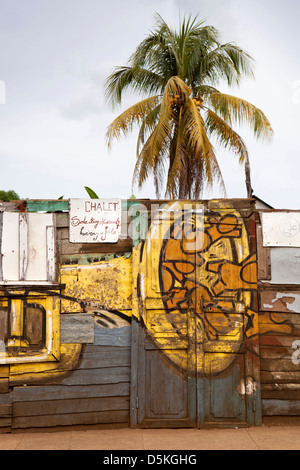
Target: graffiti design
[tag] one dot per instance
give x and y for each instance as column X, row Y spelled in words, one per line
column 196, row 284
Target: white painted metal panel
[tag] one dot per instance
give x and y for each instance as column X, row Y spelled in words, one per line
column 37, row 246
column 285, row 265
column 27, row 248
column 10, row 246
column 281, row 229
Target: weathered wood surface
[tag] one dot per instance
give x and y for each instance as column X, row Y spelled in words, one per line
column 90, row 418
column 263, row 257
column 5, row 410
column 95, row 387
column 12, row 206
column 97, row 392
column 118, row 337
column 78, row 405
column 61, row 392
column 77, row 328
column 281, row 407
column 280, row 300
column 279, row 328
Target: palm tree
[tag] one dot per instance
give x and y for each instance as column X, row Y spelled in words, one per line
column 181, row 111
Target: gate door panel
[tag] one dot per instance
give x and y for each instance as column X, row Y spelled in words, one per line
column 163, row 342
column 227, row 334
column 195, row 329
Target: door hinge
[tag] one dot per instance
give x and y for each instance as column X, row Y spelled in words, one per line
column 137, row 402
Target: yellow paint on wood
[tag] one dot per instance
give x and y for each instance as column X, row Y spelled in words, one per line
column 105, row 285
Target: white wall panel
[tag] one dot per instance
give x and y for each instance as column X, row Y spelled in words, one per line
column 27, row 247
column 281, row 228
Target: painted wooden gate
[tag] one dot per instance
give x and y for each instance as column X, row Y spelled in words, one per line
column 195, row 327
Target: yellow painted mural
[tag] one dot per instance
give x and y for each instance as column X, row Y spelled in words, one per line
column 191, row 284
column 196, row 279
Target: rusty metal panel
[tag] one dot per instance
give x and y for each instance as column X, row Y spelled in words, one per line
column 281, row 228
column 280, row 301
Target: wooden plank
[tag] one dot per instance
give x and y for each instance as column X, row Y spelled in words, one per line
column 90, row 258
column 59, row 392
column 281, row 394
column 278, row 365
column 217, row 204
column 55, row 407
column 12, row 206
column 276, row 352
column 91, row 377
column 276, row 323
column 275, row 340
column 281, row 420
column 6, row 398
column 285, row 387
column 280, row 301
column 263, row 257
column 277, row 318
column 4, row 371
column 134, row 369
column 280, row 377
column 100, row 417
column 50, row 254
column 4, row 385
column 77, row 328
column 5, row 424
column 23, row 246
column 5, row 411
column 280, row 407
column 105, row 357
column 122, row 246
column 47, row 205
column 1, row 255
column 119, row 337
column 62, row 220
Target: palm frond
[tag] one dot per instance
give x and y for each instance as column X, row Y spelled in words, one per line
column 233, row 109
column 225, row 62
column 137, row 79
column 147, row 127
column 179, row 71
column 199, row 144
column 125, row 122
column 225, row 135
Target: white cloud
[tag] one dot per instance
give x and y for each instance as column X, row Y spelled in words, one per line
column 57, row 55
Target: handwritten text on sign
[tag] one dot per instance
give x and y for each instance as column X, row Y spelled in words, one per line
column 95, row 220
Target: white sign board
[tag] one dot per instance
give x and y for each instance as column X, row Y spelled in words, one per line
column 281, row 229
column 95, row 220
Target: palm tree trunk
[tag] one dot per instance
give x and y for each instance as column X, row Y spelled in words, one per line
column 248, row 179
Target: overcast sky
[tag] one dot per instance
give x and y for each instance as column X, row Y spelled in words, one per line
column 56, row 54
